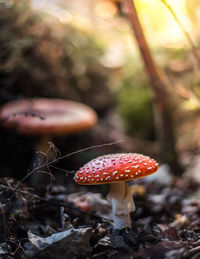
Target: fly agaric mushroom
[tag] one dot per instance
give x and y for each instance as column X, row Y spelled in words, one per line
column 116, row 169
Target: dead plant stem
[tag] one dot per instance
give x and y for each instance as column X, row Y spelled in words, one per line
column 185, row 32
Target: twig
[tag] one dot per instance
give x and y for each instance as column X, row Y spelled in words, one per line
column 53, row 201
column 3, row 218
column 191, row 252
column 49, row 164
column 22, row 192
column 59, row 157
column 27, row 113
column 185, row 32
column 19, row 246
column 163, row 113
column 62, row 170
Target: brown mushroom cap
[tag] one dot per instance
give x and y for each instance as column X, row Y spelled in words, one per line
column 116, row 168
column 47, row 116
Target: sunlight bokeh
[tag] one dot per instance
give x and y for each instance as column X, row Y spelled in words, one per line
column 158, row 21
column 159, row 25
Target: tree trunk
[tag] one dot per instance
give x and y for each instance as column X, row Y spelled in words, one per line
column 164, row 122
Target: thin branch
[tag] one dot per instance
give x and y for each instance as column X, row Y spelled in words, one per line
column 59, row 157
column 45, row 164
column 164, row 115
column 62, row 170
column 185, row 32
column 21, row 192
column 25, row 113
column 55, row 202
column 191, row 252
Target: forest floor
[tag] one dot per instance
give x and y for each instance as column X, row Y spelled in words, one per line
column 166, row 223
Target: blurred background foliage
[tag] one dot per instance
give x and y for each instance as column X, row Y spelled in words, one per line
column 52, row 53
column 41, row 57
column 135, row 104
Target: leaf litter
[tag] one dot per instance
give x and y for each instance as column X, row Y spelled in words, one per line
column 79, row 225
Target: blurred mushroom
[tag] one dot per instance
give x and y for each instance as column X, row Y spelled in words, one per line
column 117, row 169
column 46, row 117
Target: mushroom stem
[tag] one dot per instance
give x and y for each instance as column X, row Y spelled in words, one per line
column 120, row 196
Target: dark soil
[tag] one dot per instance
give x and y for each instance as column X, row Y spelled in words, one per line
column 165, row 224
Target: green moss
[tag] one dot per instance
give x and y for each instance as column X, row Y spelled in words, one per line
column 136, row 106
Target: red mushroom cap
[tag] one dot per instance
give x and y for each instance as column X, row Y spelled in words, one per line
column 116, row 168
column 49, row 116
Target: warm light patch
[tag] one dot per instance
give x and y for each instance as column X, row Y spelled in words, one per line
column 157, row 19
column 105, row 9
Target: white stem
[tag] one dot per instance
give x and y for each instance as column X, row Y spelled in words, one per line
column 122, row 204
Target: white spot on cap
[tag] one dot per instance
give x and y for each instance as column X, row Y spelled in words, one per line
column 96, row 176
column 127, row 171
column 114, row 173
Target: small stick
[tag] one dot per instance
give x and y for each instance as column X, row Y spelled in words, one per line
column 185, row 32
column 191, row 252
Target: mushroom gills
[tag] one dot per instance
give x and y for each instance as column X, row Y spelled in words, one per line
column 120, row 195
